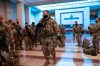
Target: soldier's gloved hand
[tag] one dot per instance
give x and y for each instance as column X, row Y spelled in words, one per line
column 59, row 35
column 89, row 27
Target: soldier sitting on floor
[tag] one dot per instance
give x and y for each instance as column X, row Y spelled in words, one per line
column 85, row 43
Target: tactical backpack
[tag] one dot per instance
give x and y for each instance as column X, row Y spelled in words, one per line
column 90, row 51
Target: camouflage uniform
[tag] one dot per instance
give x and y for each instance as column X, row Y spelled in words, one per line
column 33, row 27
column 90, row 51
column 95, row 30
column 47, row 35
column 19, row 36
column 16, row 36
column 27, row 38
column 86, row 43
column 4, row 31
column 77, row 31
column 3, row 42
column 63, row 33
column 9, row 34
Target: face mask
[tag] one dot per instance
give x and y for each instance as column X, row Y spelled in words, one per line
column 45, row 16
column 76, row 24
column 25, row 25
column 17, row 22
column 96, row 21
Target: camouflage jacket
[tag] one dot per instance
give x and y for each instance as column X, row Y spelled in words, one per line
column 50, row 27
column 25, row 32
column 6, row 30
column 95, row 29
column 2, row 31
column 77, row 29
column 9, row 32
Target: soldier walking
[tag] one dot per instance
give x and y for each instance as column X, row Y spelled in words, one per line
column 47, row 33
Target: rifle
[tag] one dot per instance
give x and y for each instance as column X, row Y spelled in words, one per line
column 42, row 26
column 60, row 43
column 73, row 37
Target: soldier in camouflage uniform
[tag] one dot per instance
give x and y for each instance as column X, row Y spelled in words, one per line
column 3, row 43
column 85, row 43
column 33, row 27
column 47, row 33
column 27, row 36
column 3, row 39
column 77, row 30
column 16, row 36
column 19, row 34
column 9, row 34
column 63, row 32
column 95, row 32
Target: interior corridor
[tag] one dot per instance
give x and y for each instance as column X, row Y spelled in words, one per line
column 70, row 55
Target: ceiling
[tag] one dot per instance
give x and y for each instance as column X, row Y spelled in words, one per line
column 44, row 2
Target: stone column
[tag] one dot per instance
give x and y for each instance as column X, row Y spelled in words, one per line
column 21, row 13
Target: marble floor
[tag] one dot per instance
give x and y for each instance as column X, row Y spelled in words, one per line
column 70, row 55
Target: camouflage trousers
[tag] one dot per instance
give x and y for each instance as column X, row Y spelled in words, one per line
column 10, row 44
column 47, row 47
column 18, row 43
column 95, row 41
column 28, row 42
column 78, row 37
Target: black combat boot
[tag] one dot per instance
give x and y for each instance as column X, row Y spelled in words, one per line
column 94, row 53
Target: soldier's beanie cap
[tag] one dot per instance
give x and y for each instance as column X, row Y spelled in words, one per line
column 26, row 23
column 75, row 21
column 46, row 11
column 1, row 17
column 33, row 23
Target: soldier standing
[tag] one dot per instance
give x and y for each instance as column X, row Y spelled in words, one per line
column 95, row 30
column 9, row 34
column 77, row 30
column 19, row 34
column 47, row 33
column 33, row 27
column 3, row 42
column 27, row 36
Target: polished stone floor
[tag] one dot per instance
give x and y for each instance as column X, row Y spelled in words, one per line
column 70, row 55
